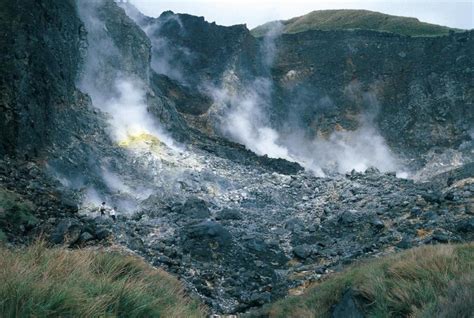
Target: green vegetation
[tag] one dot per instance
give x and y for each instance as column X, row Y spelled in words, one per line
column 37, row 281
column 15, row 210
column 42, row 282
column 430, row 281
column 355, row 19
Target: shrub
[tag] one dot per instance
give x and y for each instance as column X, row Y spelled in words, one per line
column 15, row 210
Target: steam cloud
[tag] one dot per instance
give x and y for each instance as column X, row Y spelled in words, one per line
column 167, row 58
column 121, row 95
column 245, row 120
column 125, row 100
column 128, row 113
column 243, row 112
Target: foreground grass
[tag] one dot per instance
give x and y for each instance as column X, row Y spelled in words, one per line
column 430, row 281
column 41, row 282
column 355, row 19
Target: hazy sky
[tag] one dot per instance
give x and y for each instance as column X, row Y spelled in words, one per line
column 453, row 13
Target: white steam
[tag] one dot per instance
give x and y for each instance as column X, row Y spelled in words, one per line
column 244, row 117
column 245, row 108
column 129, row 114
column 343, row 151
column 243, row 111
column 121, row 94
column 245, row 120
column 269, row 49
column 167, row 58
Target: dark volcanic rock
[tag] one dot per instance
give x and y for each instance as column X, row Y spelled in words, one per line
column 86, row 237
column 322, row 80
column 466, row 226
column 207, row 240
column 102, row 233
column 302, row 251
column 410, row 101
column 182, row 33
column 228, row 214
column 40, row 62
column 347, row 307
column 194, row 208
column 67, row 231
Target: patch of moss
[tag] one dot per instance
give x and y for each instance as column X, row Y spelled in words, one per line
column 15, row 210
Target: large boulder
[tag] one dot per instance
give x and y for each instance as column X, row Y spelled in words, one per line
column 347, row 307
column 194, row 208
column 68, row 231
column 228, row 214
column 207, row 240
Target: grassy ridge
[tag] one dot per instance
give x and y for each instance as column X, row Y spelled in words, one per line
column 430, row 281
column 42, row 282
column 355, row 19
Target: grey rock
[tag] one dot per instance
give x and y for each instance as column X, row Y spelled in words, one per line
column 102, row 233
column 405, row 243
column 377, row 223
column 86, row 237
column 228, row 214
column 195, row 208
column 67, row 231
column 466, row 226
column 302, row 251
column 347, row 307
column 347, row 217
column 207, row 239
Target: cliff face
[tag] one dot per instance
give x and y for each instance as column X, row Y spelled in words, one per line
column 419, row 90
column 40, row 58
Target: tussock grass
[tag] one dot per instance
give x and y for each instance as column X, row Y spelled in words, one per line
column 41, row 282
column 429, row 281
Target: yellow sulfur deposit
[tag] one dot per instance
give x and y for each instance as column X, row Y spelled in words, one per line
column 141, row 141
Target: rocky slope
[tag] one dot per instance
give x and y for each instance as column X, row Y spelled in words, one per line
column 144, row 114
